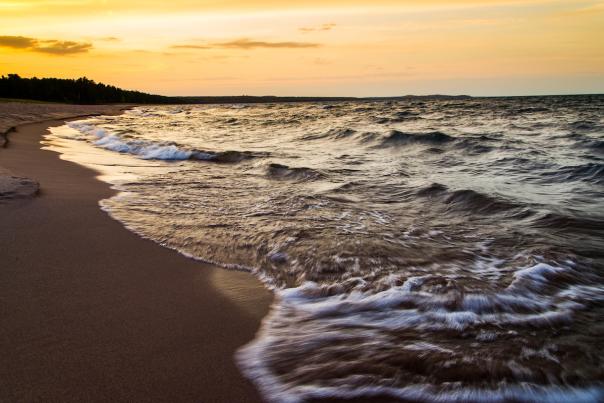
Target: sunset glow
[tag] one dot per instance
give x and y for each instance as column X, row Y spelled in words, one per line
column 331, row 47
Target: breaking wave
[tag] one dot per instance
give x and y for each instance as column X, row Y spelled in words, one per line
column 167, row 151
column 431, row 327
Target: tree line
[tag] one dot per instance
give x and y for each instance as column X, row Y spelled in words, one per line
column 85, row 91
column 78, row 91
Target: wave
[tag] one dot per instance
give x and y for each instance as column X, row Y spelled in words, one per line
column 226, row 156
column 584, row 125
column 530, row 109
column 593, row 145
column 471, row 200
column 398, row 138
column 343, row 335
column 434, row 189
column 166, row 151
column 429, row 393
column 334, row 134
column 417, row 305
column 278, row 171
column 591, row 172
column 397, row 117
column 569, row 223
column 467, row 199
column 405, row 114
column 475, row 145
column 597, row 145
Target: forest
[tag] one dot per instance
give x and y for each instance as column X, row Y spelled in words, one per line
column 78, row 91
column 85, row 91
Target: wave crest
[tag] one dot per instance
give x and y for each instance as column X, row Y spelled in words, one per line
column 398, row 138
column 166, row 151
column 278, row 171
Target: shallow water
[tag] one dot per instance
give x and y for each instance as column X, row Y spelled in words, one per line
column 433, row 250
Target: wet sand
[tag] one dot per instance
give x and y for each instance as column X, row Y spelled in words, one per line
column 92, row 312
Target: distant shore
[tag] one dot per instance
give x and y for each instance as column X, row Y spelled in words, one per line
column 92, row 312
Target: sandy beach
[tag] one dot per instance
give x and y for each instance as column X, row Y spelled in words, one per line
column 13, row 114
column 92, row 312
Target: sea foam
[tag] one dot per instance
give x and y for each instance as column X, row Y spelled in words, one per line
column 142, row 149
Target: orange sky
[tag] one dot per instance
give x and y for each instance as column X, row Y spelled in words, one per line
column 311, row 47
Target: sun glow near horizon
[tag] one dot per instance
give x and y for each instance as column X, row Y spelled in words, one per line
column 333, row 47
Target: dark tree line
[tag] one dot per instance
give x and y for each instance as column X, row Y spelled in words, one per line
column 85, row 91
column 80, row 91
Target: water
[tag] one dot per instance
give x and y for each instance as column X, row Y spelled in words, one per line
column 418, row 250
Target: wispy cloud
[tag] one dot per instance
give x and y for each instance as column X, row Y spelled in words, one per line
column 251, row 44
column 17, row 42
column 248, row 44
column 49, row 46
column 191, row 47
column 62, row 47
column 324, row 27
column 110, row 39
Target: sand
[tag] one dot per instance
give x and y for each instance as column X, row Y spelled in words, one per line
column 92, row 312
column 17, row 113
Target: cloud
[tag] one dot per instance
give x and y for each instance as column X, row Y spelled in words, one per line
column 247, row 44
column 49, row 46
column 191, row 47
column 251, row 44
column 17, row 42
column 324, row 27
column 55, row 47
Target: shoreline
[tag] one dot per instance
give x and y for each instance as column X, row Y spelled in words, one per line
column 92, row 311
column 4, row 138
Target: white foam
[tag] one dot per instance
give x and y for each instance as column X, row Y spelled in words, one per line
column 143, row 149
column 427, row 392
column 407, row 308
column 538, row 273
column 402, row 306
column 252, row 360
column 425, row 346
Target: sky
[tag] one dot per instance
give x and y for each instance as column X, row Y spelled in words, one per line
column 311, row 47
